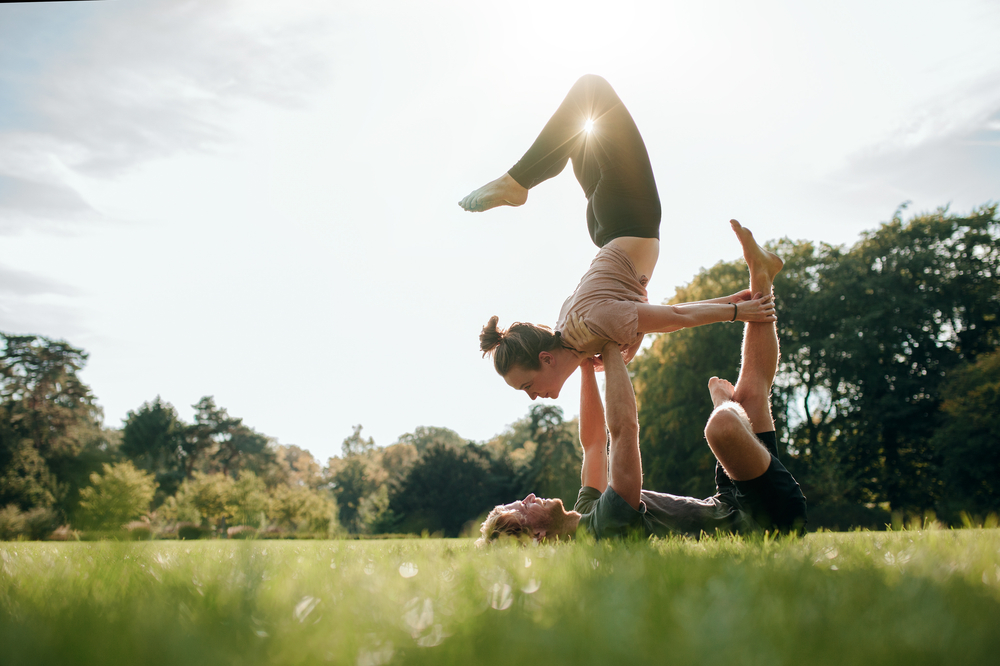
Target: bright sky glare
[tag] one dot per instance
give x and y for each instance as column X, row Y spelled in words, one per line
column 257, row 200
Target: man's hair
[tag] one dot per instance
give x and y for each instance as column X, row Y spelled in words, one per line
column 512, row 523
column 502, row 522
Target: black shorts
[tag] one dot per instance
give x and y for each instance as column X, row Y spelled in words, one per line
column 774, row 499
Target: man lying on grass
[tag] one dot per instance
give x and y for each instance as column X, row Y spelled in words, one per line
column 754, row 490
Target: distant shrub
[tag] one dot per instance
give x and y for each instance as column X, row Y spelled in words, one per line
column 190, row 531
column 35, row 524
column 39, row 523
column 138, row 530
column 843, row 517
column 273, row 532
column 304, row 510
column 64, row 533
column 120, row 494
column 241, row 532
column 11, row 523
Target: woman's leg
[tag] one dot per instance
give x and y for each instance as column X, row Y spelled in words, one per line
column 593, row 129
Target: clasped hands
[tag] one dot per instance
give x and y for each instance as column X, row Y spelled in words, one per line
column 759, row 308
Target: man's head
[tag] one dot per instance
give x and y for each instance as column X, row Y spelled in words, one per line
column 533, row 517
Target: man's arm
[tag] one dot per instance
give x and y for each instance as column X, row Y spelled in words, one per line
column 593, row 433
column 623, row 422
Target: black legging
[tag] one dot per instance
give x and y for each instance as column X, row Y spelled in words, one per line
column 610, row 162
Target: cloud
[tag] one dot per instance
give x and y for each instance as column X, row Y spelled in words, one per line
column 31, row 303
column 946, row 153
column 142, row 81
column 21, row 283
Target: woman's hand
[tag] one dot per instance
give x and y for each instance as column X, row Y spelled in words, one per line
column 759, row 309
column 580, row 337
column 743, row 295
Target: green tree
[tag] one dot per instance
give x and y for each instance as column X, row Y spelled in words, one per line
column 204, row 498
column 301, row 509
column 356, row 475
column 51, row 436
column 218, row 442
column 294, row 466
column 968, row 441
column 247, row 500
column 153, row 439
column 448, row 487
column 423, row 437
column 120, row 494
column 888, row 319
column 553, row 469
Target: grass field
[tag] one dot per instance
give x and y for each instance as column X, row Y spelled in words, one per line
column 907, row 597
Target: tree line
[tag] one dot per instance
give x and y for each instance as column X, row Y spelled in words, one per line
column 59, row 466
column 887, row 400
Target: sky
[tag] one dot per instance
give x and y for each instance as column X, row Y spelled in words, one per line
column 257, row 201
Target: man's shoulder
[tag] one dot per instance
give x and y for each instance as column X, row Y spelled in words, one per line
column 586, row 499
column 607, row 514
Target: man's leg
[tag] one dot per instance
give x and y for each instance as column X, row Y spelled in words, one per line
column 742, row 418
column 745, row 409
column 759, row 360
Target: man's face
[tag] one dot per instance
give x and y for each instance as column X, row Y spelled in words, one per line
column 537, row 512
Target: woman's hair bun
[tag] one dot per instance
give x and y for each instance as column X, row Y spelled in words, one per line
column 490, row 337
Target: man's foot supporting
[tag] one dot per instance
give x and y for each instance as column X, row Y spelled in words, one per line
column 721, row 389
column 763, row 265
column 504, row 191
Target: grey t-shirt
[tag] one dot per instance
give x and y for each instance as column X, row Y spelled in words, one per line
column 608, row 515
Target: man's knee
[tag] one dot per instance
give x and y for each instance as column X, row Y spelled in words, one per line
column 724, row 424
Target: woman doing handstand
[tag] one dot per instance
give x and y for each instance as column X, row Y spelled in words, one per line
column 594, row 130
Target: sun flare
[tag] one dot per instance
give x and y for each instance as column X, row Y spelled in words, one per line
column 588, row 125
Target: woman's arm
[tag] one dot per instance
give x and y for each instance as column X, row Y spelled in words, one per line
column 667, row 318
column 743, row 295
column 593, row 432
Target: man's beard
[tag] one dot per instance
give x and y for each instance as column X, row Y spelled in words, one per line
column 556, row 520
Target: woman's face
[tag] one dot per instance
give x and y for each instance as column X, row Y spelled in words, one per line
column 546, row 382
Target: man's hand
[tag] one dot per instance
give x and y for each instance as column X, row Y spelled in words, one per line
column 580, row 337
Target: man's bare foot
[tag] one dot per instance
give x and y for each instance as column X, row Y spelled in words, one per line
column 504, row 191
column 721, row 389
column 758, row 259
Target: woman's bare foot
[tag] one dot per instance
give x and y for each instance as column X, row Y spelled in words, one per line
column 758, row 259
column 722, row 390
column 504, row 191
